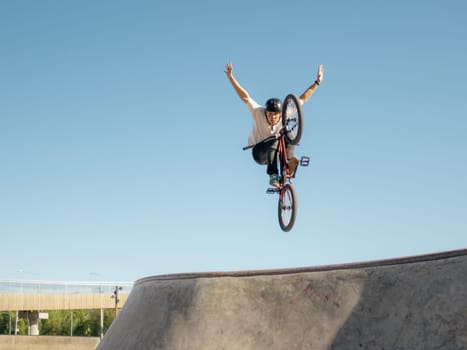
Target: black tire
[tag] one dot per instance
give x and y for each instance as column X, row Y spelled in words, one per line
column 287, row 208
column 292, row 117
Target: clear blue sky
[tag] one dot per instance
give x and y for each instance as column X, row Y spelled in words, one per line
column 121, row 138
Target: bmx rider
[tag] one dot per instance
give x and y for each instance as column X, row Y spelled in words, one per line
column 266, row 122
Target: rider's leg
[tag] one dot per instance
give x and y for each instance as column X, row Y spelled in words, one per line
column 273, row 169
column 260, row 154
column 266, row 153
column 273, row 151
column 290, row 151
column 292, row 160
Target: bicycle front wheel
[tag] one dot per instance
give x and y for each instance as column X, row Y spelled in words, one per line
column 292, row 119
column 287, row 209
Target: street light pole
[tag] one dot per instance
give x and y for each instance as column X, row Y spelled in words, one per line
column 115, row 296
column 102, row 323
column 16, row 323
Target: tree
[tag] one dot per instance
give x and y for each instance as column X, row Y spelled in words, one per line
column 85, row 323
column 7, row 322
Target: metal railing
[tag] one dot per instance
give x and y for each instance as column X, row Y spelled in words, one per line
column 49, row 287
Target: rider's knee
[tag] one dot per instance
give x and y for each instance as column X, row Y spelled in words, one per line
column 259, row 157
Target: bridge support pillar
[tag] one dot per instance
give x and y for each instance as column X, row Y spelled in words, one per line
column 33, row 321
column 33, row 318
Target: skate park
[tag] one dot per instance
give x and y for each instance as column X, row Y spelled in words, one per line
column 122, row 160
column 417, row 302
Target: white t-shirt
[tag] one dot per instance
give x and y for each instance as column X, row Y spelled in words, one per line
column 261, row 128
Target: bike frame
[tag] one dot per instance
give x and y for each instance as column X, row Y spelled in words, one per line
column 283, row 162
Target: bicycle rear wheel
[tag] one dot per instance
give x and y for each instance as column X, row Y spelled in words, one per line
column 292, row 119
column 287, row 208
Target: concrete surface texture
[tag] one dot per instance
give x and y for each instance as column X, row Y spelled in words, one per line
column 409, row 303
column 18, row 342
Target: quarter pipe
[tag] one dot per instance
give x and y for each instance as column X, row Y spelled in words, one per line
column 408, row 303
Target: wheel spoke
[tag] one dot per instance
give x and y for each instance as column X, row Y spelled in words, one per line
column 287, row 206
column 292, row 118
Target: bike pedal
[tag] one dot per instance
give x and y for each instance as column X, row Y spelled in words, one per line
column 305, row 161
column 272, row 190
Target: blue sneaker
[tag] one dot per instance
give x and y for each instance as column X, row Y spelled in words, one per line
column 274, row 180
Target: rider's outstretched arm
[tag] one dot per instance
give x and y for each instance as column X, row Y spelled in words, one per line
column 241, row 92
column 312, row 88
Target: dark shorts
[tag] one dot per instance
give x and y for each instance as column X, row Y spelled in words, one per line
column 266, row 154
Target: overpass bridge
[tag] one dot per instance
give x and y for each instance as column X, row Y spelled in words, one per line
column 40, row 295
column 28, row 298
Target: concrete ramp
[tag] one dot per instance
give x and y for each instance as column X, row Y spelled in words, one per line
column 408, row 303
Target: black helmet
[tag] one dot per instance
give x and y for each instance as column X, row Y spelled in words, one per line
column 273, row 105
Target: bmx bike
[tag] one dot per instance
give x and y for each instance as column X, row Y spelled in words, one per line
column 290, row 132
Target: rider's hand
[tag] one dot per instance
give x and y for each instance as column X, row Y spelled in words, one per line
column 229, row 70
column 320, row 74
